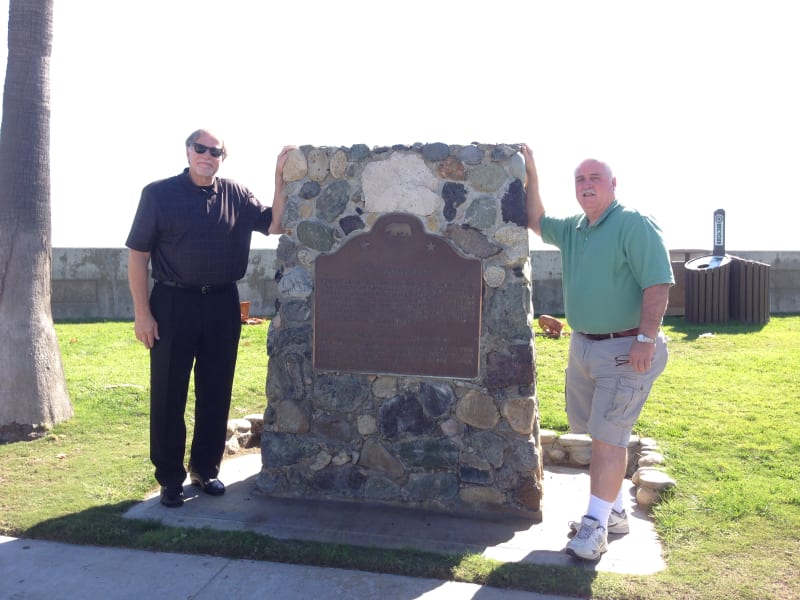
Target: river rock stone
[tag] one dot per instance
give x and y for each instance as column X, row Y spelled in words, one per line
column 296, row 166
column 646, row 497
column 651, row 459
column 332, row 201
column 481, row 213
column 291, row 417
column 472, row 242
column 494, row 276
column 295, row 283
column 487, row 178
column 654, row 479
column 471, row 155
column 490, row 446
column 310, row 189
column 384, row 387
column 317, row 164
column 367, row 425
column 338, row 164
column 474, row 494
column 477, row 410
column 514, row 204
column 520, row 412
column 436, row 398
column 403, row 414
column 435, row 152
column 428, row 453
column 512, row 366
column 424, row 485
column 375, row 456
column 452, row 169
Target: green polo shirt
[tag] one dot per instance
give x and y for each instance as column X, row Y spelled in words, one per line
column 607, row 265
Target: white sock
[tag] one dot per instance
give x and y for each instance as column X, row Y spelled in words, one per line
column 619, row 503
column 599, row 509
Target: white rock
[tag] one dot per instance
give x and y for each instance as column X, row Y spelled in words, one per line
column 481, row 495
column 651, row 459
column 241, row 425
column 338, row 164
column 575, row 439
column 317, row 164
column 646, row 497
column 654, row 479
column 494, row 276
column 367, row 425
column 580, row 455
column 341, row 458
column 403, row 182
column 305, row 257
column 232, row 445
column 547, row 436
column 296, row 166
column 384, row 387
column 321, row 460
column 451, row 427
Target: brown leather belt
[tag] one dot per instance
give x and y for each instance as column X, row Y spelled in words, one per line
column 616, row 334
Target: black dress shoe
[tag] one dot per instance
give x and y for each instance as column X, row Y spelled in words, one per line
column 213, row 487
column 172, row 495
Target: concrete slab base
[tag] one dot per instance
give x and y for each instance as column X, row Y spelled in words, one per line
column 566, row 493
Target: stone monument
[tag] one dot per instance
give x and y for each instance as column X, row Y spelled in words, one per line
column 401, row 357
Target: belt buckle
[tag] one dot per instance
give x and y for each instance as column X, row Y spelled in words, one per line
column 204, row 289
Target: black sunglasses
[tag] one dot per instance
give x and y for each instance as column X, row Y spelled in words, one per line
column 201, row 149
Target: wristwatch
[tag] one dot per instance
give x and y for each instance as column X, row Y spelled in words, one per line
column 643, row 338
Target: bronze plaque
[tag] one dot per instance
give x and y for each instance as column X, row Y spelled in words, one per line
column 398, row 301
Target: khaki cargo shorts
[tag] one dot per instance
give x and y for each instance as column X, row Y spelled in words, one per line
column 604, row 394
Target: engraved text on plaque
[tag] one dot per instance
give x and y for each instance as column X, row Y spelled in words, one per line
column 397, row 300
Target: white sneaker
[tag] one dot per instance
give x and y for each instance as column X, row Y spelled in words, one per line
column 617, row 523
column 590, row 541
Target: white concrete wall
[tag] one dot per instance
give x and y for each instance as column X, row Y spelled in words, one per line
column 91, row 283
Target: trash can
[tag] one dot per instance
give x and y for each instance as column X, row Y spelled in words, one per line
column 708, row 289
column 721, row 287
column 677, row 293
column 749, row 291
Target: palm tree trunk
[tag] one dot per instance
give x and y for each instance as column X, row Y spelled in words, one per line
column 33, row 392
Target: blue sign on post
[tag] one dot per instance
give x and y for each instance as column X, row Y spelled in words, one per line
column 719, row 232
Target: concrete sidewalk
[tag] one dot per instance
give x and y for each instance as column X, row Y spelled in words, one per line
column 37, row 570
column 33, row 569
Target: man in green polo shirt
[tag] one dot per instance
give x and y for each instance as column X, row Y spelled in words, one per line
column 616, row 280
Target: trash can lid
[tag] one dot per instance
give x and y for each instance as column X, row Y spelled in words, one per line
column 707, row 262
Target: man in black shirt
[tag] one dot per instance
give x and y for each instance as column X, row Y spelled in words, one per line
column 195, row 228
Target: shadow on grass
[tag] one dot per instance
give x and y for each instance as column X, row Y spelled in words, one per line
column 15, row 432
column 105, row 526
column 692, row 331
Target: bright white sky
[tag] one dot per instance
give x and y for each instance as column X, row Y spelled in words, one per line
column 694, row 104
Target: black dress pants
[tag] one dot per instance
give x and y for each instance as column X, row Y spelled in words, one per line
column 201, row 331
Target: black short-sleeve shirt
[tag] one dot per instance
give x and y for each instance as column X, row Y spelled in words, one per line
column 197, row 235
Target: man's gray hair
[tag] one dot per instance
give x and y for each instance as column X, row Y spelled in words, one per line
column 196, row 134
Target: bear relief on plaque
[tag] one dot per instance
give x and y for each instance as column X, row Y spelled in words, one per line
column 398, row 301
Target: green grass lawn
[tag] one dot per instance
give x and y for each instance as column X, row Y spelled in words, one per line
column 726, row 413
